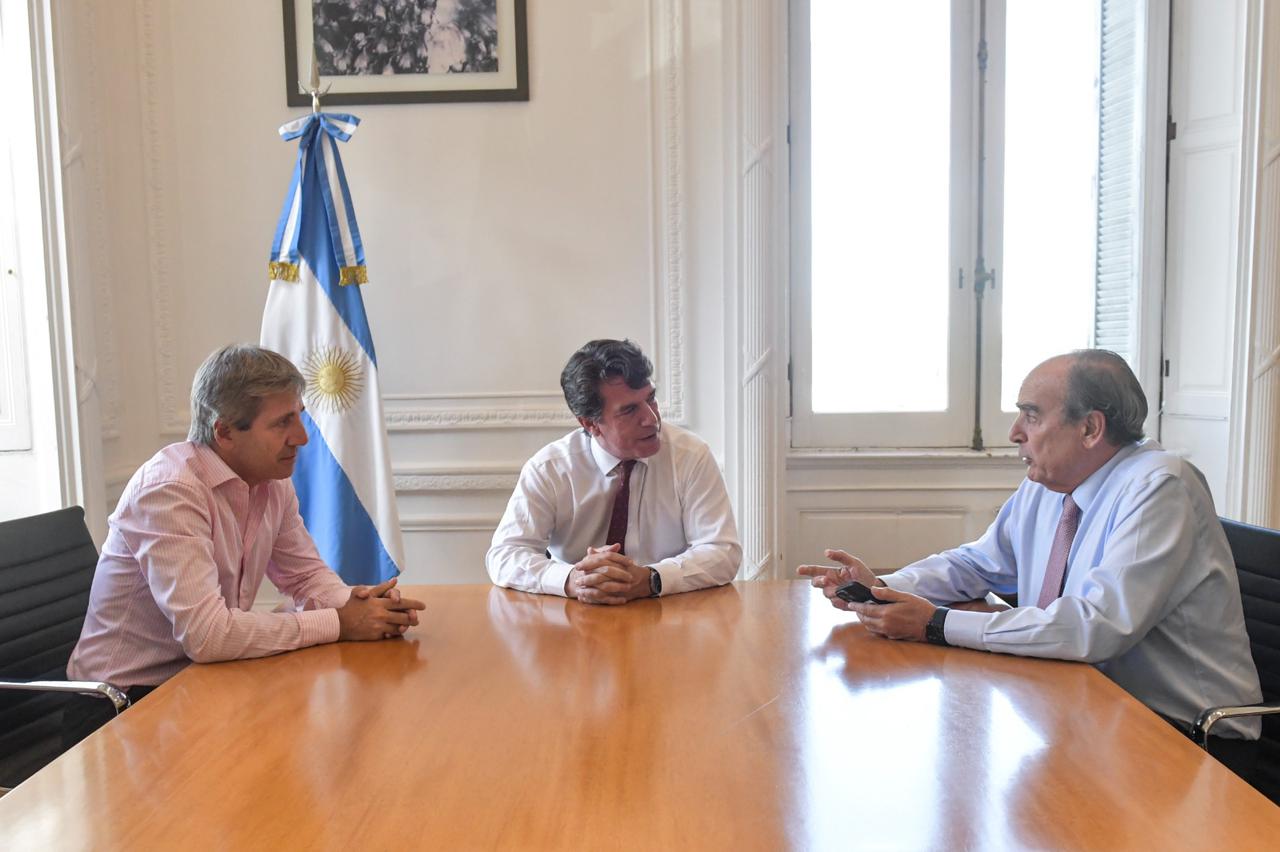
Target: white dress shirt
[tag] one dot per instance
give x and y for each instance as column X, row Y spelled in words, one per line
column 679, row 521
column 1151, row 595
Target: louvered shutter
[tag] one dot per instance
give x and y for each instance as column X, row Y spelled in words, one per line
column 1119, row 160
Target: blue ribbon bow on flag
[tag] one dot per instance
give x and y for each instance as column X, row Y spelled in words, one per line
column 346, row 492
column 315, row 130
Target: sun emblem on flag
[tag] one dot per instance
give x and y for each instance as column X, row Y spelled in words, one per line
column 334, row 379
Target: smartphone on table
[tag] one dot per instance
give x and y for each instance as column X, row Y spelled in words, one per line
column 857, row 592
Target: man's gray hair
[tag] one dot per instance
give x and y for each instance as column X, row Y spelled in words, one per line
column 230, row 385
column 1100, row 380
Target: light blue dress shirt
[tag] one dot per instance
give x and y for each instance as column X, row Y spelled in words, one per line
column 1151, row 595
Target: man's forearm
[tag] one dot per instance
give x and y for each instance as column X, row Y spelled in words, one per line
column 229, row 634
column 701, row 566
column 526, row 569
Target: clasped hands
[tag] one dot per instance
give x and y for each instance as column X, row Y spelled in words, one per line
column 606, row 576
column 901, row 616
column 377, row 612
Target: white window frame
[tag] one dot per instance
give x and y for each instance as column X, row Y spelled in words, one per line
column 15, row 401
column 953, row 428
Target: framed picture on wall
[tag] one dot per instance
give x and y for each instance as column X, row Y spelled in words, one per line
column 407, row 51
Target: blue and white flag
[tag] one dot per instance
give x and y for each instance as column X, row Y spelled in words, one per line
column 315, row 317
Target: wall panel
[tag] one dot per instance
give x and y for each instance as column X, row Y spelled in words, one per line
column 499, row 236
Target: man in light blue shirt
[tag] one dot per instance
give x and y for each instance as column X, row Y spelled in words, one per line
column 1145, row 587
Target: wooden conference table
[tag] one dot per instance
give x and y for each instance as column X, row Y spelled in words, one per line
column 748, row 717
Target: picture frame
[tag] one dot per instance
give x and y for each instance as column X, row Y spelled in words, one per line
column 388, row 52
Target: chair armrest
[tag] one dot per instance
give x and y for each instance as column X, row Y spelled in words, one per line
column 79, row 687
column 1208, row 718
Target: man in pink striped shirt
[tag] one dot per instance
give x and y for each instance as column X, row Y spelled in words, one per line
column 196, row 530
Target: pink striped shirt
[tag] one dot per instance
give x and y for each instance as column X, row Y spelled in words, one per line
column 187, row 549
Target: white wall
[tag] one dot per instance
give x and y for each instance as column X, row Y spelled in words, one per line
column 640, row 192
column 499, row 236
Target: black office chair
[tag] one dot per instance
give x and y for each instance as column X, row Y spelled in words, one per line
column 1256, row 551
column 46, row 568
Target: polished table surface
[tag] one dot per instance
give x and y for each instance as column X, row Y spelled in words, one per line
column 752, row 716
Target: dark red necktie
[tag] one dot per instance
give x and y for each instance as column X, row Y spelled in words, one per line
column 618, row 519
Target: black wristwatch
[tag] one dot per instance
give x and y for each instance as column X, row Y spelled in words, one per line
column 934, row 633
column 655, row 583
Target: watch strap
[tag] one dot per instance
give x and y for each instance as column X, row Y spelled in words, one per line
column 655, row 583
column 935, row 631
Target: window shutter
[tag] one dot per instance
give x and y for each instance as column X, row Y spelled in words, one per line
column 1119, row 161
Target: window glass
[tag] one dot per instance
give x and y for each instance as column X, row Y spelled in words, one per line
column 881, row 131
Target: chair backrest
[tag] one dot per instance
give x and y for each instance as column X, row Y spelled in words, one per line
column 46, row 569
column 1256, row 551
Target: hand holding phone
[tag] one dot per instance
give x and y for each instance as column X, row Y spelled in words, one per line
column 856, row 592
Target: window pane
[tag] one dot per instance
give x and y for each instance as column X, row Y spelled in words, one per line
column 881, row 142
column 1050, row 176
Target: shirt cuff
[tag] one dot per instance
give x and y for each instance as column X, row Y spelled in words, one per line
column 553, row 578
column 898, row 583
column 965, row 628
column 318, row 627
column 672, row 576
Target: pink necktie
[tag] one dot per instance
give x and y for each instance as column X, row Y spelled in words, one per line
column 618, row 519
column 1056, row 571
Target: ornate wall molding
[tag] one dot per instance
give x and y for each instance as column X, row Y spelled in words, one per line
column 174, row 417
column 467, row 411
column 667, row 75
column 425, row 421
column 429, row 419
column 84, row 90
column 667, row 202
column 435, row 479
column 485, row 524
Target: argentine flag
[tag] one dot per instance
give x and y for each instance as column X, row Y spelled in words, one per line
column 315, row 318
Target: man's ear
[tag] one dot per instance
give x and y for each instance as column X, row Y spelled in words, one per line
column 221, row 433
column 1095, row 429
column 589, row 425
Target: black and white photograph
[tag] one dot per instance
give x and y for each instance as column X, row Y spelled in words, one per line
column 403, row 51
column 405, row 36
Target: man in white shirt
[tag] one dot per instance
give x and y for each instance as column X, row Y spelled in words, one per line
column 1111, row 544
column 622, row 508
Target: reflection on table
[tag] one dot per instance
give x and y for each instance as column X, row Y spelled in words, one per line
column 752, row 716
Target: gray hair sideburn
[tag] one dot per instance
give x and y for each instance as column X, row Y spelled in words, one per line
column 1100, row 380
column 230, row 386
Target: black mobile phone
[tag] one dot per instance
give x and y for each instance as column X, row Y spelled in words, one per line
column 856, row 592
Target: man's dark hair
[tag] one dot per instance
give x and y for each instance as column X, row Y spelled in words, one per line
column 1100, row 380
column 600, row 361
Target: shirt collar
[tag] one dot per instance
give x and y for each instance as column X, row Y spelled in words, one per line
column 605, row 460
column 1087, row 490
column 213, row 470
